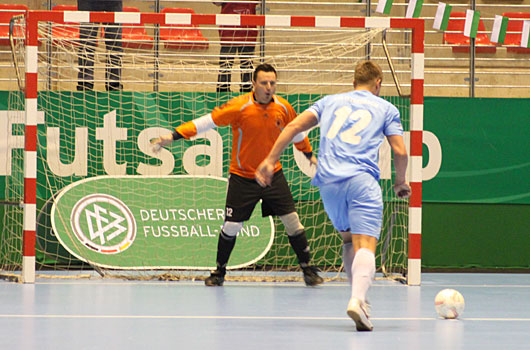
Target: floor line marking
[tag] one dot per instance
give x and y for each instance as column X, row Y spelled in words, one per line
column 197, row 317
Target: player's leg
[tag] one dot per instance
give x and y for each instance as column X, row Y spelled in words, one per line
column 363, row 271
column 335, row 204
column 348, row 253
column 363, row 265
column 87, row 47
column 87, row 36
column 113, row 44
column 225, row 245
column 278, row 200
column 113, row 64
column 245, row 57
column 241, row 198
column 226, row 61
column 298, row 241
column 365, row 211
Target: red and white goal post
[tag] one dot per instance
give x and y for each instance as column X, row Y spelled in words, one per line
column 314, row 55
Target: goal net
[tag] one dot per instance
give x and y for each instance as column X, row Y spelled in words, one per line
column 106, row 201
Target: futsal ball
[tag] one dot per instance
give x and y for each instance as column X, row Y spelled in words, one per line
column 449, row 303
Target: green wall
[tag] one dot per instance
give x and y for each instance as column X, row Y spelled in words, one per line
column 487, row 236
column 485, row 150
column 476, row 211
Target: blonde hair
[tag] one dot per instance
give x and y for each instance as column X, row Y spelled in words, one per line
column 367, row 73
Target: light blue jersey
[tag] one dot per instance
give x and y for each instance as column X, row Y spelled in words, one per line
column 352, row 127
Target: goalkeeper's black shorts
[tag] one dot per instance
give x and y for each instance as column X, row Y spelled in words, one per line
column 244, row 193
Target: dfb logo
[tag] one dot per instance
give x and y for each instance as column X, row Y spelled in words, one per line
column 103, row 223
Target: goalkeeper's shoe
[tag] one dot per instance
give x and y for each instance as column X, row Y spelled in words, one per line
column 216, row 278
column 359, row 312
column 311, row 277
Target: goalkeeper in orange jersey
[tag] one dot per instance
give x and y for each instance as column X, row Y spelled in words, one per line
column 257, row 119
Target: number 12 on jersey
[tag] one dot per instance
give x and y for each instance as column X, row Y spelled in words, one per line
column 349, row 135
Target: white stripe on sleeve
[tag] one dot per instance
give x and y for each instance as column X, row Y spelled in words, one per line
column 204, row 123
column 299, row 137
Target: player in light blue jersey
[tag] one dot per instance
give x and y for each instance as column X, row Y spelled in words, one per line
column 353, row 126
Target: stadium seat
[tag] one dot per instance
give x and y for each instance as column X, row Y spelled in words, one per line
column 134, row 35
column 461, row 42
column 178, row 36
column 7, row 11
column 514, row 31
column 69, row 33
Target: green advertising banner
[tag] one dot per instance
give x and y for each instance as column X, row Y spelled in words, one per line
column 93, row 134
column 475, row 150
column 485, row 150
column 117, row 222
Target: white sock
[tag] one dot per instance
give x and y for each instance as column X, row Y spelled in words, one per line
column 363, row 271
column 347, row 258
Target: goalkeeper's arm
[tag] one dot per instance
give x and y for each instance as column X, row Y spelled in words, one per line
column 301, row 142
column 186, row 130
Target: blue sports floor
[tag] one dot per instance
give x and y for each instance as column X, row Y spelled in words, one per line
column 116, row 314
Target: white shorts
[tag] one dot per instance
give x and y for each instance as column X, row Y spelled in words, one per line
column 355, row 204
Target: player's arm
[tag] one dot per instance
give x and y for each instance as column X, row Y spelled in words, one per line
column 186, row 130
column 399, row 152
column 303, row 122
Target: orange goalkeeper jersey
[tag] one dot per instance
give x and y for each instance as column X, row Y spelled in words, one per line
column 255, row 128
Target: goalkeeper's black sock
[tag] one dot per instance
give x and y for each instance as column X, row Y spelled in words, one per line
column 301, row 248
column 224, row 249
